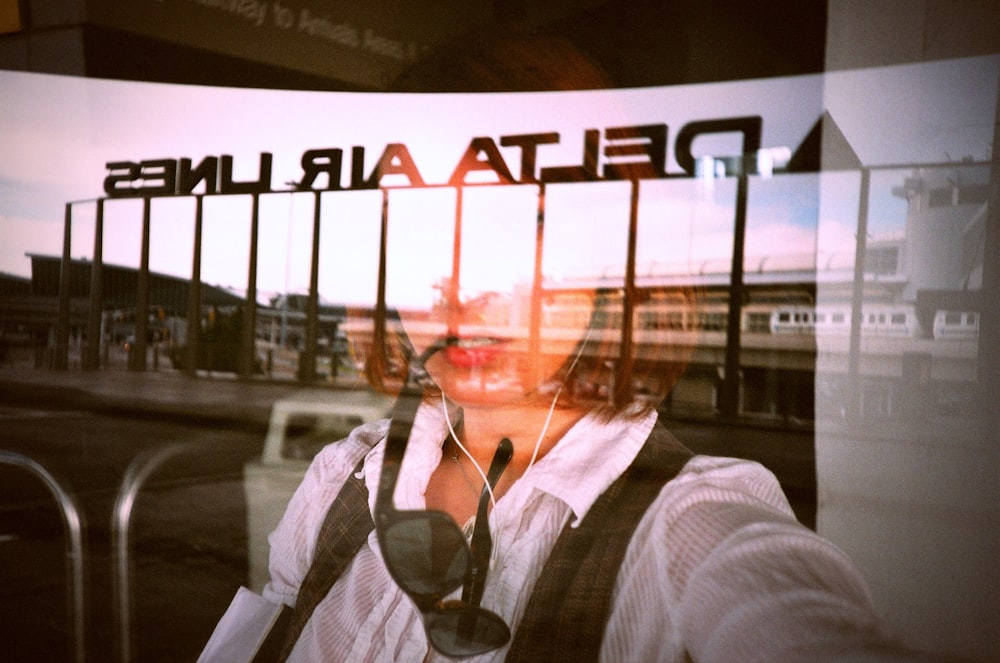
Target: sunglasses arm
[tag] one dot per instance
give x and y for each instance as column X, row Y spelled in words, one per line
column 481, row 545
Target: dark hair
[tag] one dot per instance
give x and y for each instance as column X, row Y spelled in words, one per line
column 503, row 59
column 508, row 60
column 608, row 383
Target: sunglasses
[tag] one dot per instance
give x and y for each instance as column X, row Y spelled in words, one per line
column 427, row 554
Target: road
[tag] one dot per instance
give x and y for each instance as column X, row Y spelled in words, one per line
column 187, row 536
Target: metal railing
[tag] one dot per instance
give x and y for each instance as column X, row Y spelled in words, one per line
column 139, row 470
column 73, row 524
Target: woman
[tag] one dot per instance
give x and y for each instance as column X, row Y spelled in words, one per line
column 503, row 516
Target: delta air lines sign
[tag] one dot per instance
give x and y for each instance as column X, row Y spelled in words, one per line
column 613, row 153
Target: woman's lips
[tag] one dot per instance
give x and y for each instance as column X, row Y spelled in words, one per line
column 472, row 352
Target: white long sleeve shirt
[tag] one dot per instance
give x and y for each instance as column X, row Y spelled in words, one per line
column 718, row 567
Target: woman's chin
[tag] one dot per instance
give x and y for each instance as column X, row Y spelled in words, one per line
column 486, row 393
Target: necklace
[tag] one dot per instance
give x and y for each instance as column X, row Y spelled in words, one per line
column 467, row 478
column 479, row 470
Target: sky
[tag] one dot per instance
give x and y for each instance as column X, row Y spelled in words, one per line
column 58, row 134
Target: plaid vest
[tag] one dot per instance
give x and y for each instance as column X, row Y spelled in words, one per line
column 569, row 606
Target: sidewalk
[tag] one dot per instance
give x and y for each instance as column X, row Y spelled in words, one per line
column 216, row 399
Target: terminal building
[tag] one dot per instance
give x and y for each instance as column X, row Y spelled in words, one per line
column 385, row 47
column 918, row 315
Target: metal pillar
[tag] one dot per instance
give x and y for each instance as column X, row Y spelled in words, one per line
column 623, row 380
column 92, row 355
column 855, row 406
column 137, row 353
column 307, row 360
column 194, row 295
column 729, row 399
column 60, row 358
column 248, row 339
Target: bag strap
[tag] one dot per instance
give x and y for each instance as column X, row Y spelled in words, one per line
column 345, row 528
column 568, row 610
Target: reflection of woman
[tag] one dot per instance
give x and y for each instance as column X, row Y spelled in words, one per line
column 603, row 538
column 715, row 568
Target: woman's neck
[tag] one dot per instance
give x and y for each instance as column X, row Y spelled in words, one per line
column 484, row 427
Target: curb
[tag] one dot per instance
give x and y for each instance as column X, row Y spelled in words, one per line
column 38, row 395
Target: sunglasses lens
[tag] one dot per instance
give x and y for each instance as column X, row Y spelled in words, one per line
column 458, row 629
column 427, row 555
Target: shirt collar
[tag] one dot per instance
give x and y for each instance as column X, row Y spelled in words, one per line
column 598, row 450
column 423, row 454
